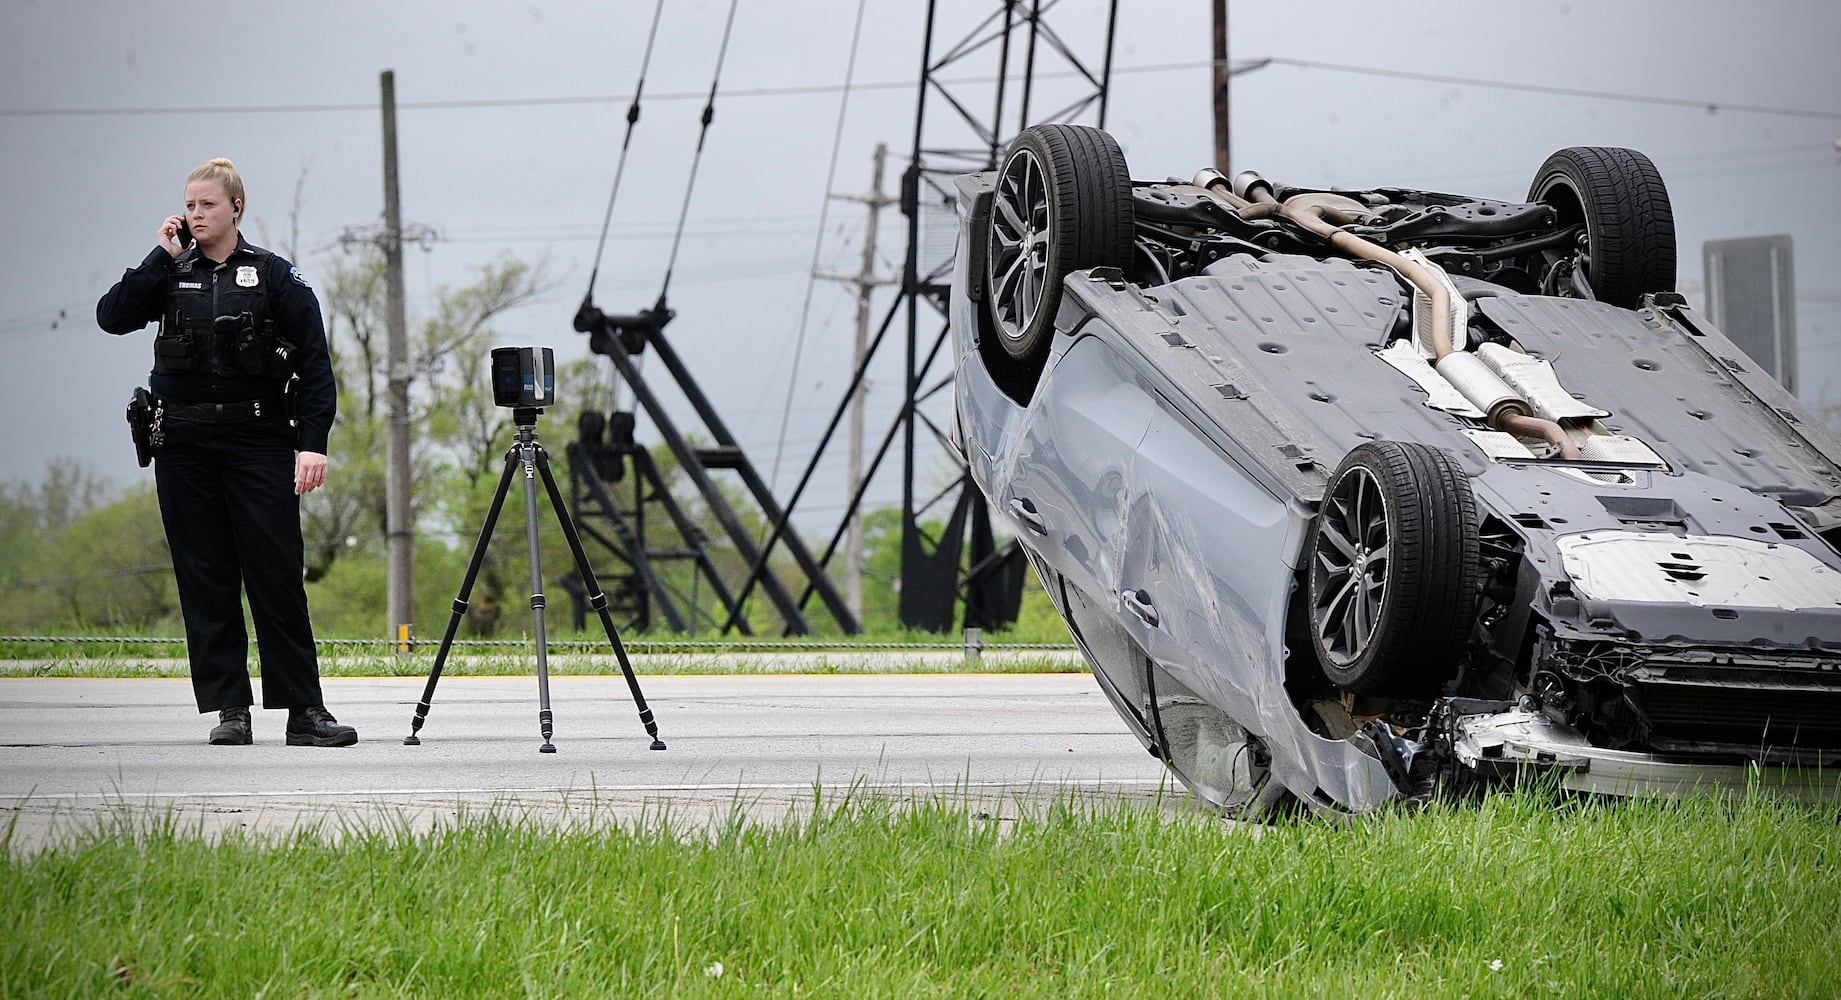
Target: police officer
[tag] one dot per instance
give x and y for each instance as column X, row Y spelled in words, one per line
column 239, row 331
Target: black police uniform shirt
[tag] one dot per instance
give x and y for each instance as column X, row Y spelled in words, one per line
column 145, row 294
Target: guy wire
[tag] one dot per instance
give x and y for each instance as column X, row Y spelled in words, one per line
column 632, row 118
column 709, row 113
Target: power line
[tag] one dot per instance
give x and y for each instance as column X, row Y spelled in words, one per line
column 583, row 237
column 47, row 320
column 806, row 90
column 449, row 105
column 1537, row 88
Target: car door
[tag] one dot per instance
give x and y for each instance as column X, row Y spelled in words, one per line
column 1065, row 489
column 1206, row 569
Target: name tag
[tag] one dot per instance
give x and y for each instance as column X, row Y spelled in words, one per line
column 199, row 285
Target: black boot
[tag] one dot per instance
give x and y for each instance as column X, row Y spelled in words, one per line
column 232, row 729
column 315, row 727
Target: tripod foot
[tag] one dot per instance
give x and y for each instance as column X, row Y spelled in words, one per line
column 412, row 740
column 658, row 744
column 547, row 747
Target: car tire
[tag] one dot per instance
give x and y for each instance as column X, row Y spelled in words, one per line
column 1618, row 195
column 1392, row 580
column 1062, row 203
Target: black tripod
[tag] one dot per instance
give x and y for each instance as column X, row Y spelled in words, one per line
column 526, row 452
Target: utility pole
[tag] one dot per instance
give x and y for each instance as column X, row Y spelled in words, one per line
column 1223, row 162
column 865, row 281
column 399, row 530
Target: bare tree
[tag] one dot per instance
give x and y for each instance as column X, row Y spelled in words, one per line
column 454, row 424
column 290, row 247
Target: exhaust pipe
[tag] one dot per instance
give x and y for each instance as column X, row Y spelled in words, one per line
column 1502, row 406
column 1216, row 183
column 1254, row 188
column 1485, row 389
column 1325, row 214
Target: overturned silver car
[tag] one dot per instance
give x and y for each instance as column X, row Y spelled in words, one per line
column 1351, row 496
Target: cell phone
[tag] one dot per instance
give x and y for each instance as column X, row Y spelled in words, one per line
column 184, row 235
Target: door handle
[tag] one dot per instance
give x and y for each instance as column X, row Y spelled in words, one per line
column 1138, row 604
column 1024, row 511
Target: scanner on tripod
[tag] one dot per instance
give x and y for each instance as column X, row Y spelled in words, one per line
column 524, row 379
column 523, row 376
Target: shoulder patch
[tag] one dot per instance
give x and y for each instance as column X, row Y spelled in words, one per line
column 299, row 278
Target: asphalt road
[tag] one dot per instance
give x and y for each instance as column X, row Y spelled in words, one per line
column 75, row 753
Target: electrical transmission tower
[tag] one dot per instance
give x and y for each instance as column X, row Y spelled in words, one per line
column 1018, row 49
column 1032, row 74
column 1026, row 50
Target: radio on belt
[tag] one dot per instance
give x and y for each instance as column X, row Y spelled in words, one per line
column 523, row 376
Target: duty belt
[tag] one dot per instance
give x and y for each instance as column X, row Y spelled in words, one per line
column 238, row 412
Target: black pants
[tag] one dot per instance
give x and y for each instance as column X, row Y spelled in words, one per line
column 233, row 524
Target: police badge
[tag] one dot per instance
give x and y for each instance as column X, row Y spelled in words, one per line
column 246, row 276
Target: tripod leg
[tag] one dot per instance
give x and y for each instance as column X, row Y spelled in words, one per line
column 596, row 599
column 460, row 602
column 532, row 454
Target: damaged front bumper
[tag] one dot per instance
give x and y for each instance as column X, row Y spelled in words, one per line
column 1518, row 743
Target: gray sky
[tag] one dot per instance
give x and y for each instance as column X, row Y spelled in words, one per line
column 503, row 147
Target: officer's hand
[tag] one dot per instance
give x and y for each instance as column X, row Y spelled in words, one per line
column 309, row 471
column 169, row 235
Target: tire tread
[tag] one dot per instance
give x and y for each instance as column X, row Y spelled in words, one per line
column 1627, row 214
column 1432, row 585
column 1090, row 193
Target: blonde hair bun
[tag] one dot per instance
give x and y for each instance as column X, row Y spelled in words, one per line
column 223, row 172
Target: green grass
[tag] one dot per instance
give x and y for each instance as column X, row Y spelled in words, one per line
column 1513, row 898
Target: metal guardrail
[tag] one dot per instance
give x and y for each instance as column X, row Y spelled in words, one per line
column 585, row 645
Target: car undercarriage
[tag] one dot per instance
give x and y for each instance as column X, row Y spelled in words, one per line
column 1350, row 496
